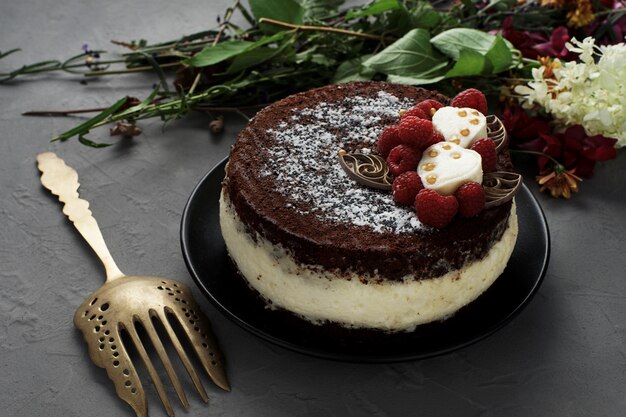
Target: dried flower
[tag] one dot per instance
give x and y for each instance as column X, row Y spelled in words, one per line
column 552, row 3
column 581, row 15
column 125, row 129
column 559, row 181
column 549, row 65
column 217, row 125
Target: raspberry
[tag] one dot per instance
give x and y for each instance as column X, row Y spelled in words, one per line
column 403, row 158
column 405, row 187
column 471, row 98
column 436, row 138
column 388, row 140
column 487, row 149
column 414, row 112
column 471, row 198
column 429, row 107
column 434, row 209
column 414, row 132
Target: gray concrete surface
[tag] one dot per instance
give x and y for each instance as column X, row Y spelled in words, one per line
column 565, row 355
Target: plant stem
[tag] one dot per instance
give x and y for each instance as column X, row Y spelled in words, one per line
column 556, row 163
column 324, row 29
column 130, row 70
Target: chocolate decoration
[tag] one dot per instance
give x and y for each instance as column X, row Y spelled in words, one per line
column 500, row 187
column 496, row 131
column 369, row 170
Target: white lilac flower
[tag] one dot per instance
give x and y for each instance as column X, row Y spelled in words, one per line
column 591, row 92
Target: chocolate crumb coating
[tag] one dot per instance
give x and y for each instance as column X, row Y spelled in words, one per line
column 271, row 199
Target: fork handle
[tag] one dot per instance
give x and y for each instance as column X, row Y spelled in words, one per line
column 62, row 181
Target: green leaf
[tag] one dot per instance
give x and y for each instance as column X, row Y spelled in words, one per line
column 257, row 56
column 212, row 55
column 409, row 56
column 9, row 52
column 500, row 55
column 284, row 10
column 352, row 70
column 398, row 79
column 141, row 105
column 82, row 139
column 376, row 8
column 84, row 127
column 424, row 16
column 470, row 63
column 453, row 41
column 250, row 59
column 319, row 9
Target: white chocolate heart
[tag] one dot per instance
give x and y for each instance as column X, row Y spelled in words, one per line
column 445, row 166
column 460, row 125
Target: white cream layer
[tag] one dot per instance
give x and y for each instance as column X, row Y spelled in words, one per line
column 318, row 295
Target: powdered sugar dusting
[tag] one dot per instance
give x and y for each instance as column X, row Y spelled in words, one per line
column 305, row 164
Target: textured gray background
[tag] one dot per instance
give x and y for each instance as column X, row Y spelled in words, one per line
column 563, row 356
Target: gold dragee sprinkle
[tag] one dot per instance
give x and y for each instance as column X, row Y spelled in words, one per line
column 474, row 121
column 465, row 132
column 402, row 112
column 455, row 140
column 429, row 166
column 433, row 153
column 431, row 179
column 462, row 113
column 456, row 155
column 446, row 147
column 475, row 113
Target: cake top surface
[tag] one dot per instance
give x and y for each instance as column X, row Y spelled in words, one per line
column 303, row 161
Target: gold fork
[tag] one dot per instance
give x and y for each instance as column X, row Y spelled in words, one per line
column 126, row 303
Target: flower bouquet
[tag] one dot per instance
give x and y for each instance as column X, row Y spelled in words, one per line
column 554, row 69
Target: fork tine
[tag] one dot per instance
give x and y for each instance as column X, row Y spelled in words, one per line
column 204, row 343
column 183, row 357
column 169, row 369
column 132, row 332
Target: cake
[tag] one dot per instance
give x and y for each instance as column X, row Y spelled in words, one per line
column 312, row 241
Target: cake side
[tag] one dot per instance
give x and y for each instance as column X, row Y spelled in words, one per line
column 319, row 295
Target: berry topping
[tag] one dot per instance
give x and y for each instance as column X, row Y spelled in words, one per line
column 403, row 158
column 434, row 209
column 429, row 107
column 471, row 198
column 388, row 140
column 414, row 112
column 405, row 187
column 436, row 138
column 415, row 132
column 487, row 149
column 471, row 98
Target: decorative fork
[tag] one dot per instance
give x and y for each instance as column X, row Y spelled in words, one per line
column 125, row 303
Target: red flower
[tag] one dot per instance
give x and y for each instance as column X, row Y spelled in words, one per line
column 521, row 127
column 525, row 41
column 555, row 47
column 574, row 148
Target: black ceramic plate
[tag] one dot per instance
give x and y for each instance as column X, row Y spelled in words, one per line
column 210, row 267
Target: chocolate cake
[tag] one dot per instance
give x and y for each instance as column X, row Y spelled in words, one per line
column 312, row 241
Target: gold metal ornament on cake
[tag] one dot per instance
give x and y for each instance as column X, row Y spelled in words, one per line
column 370, row 170
column 496, row 131
column 125, row 310
column 500, row 187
